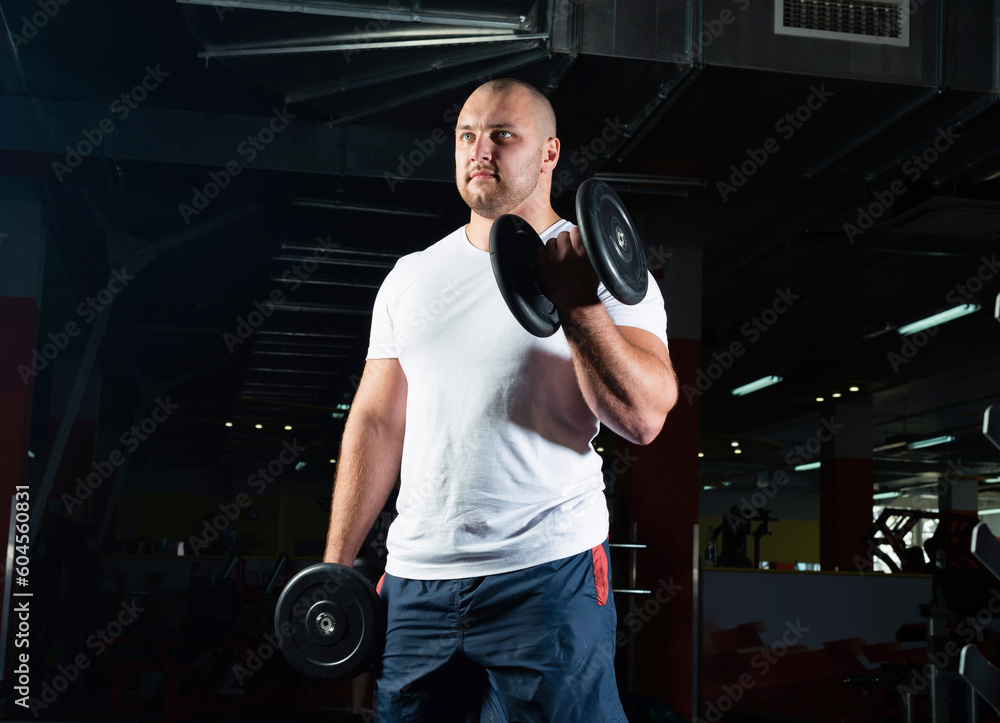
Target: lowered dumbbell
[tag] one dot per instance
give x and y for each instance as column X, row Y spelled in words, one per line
column 609, row 238
column 329, row 622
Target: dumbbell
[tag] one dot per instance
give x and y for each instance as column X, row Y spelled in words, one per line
column 329, row 622
column 609, row 238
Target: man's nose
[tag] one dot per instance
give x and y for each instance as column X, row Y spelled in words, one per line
column 482, row 149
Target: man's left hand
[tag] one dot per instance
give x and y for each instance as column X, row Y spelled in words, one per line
column 565, row 274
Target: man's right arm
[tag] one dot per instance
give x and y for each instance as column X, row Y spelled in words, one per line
column 370, row 456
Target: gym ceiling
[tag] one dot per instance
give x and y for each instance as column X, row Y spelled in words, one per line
column 212, row 147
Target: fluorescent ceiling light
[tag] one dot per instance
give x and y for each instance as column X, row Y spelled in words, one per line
column 943, row 439
column 956, row 312
column 989, row 510
column 806, row 467
column 886, row 495
column 757, row 385
column 992, row 480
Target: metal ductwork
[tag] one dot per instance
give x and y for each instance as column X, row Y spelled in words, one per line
column 923, row 42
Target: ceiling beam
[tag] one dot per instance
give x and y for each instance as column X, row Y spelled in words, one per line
column 406, row 70
column 72, row 131
column 298, row 49
column 383, row 12
column 473, row 77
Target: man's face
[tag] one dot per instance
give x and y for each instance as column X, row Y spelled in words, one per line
column 498, row 152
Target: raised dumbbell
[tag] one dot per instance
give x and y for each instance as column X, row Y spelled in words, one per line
column 611, row 242
column 329, row 622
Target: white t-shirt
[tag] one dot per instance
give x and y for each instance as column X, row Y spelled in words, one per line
column 498, row 473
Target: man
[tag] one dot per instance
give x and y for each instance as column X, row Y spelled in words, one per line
column 734, row 533
column 496, row 584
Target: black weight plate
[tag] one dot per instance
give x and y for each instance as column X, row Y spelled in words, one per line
column 329, row 622
column 513, row 244
column 611, row 241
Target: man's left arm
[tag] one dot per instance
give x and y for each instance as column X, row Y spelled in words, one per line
column 624, row 372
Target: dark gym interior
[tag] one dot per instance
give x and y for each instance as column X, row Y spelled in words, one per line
column 200, row 198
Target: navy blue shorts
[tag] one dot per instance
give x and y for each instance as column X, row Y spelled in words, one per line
column 531, row 645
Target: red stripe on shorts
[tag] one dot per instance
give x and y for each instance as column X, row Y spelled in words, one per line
column 378, row 588
column 600, row 573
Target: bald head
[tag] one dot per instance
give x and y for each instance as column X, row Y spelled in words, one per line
column 506, row 150
column 541, row 109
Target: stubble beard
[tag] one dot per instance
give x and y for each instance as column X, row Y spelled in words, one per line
column 502, row 198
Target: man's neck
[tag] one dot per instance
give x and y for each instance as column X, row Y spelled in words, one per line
column 479, row 227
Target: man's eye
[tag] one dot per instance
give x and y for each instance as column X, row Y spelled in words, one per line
column 505, row 134
column 465, row 136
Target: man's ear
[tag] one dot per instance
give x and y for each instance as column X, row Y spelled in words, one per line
column 550, row 155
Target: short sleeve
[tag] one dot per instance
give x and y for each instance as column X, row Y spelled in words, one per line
column 382, row 342
column 650, row 314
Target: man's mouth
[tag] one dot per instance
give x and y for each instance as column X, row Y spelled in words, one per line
column 481, row 174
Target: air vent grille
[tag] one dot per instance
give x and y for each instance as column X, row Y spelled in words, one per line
column 865, row 21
